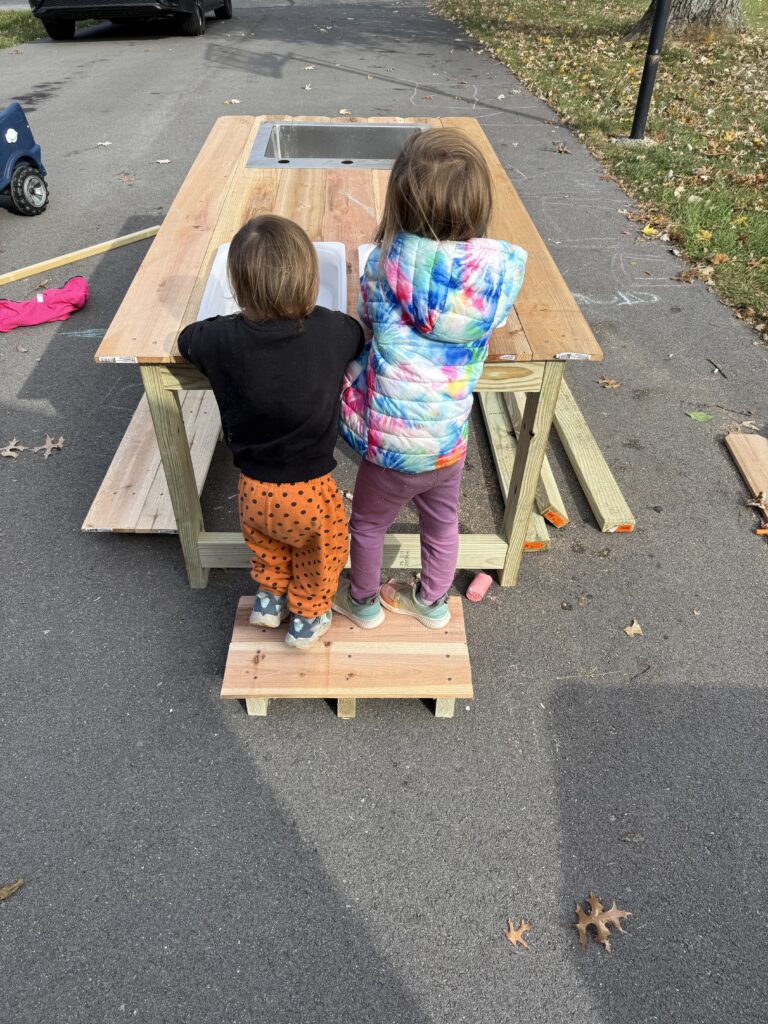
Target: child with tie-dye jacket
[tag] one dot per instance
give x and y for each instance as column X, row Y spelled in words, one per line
column 432, row 292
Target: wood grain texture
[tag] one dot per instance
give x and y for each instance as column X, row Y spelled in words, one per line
column 399, row 659
column 134, row 497
column 750, row 453
column 220, row 193
column 531, row 448
column 167, row 419
column 503, row 449
column 551, row 321
column 608, row 504
column 548, row 498
column 401, row 551
column 151, row 314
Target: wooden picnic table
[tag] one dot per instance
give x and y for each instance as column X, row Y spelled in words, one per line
column 526, row 357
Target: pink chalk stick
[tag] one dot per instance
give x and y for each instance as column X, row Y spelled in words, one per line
column 478, row 588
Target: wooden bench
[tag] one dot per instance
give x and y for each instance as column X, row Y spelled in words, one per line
column 401, row 658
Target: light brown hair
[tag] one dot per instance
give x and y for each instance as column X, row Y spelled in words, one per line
column 440, row 187
column 273, row 269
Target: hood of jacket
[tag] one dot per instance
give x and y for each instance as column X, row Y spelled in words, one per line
column 447, row 291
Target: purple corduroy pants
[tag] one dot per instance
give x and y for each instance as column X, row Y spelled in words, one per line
column 379, row 495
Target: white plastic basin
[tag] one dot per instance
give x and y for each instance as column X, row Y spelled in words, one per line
column 218, row 299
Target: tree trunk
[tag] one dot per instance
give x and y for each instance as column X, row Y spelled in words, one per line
column 685, row 14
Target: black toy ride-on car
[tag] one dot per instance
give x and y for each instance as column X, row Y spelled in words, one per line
column 59, row 16
column 22, row 175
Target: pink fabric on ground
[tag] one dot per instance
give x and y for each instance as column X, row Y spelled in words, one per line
column 52, row 304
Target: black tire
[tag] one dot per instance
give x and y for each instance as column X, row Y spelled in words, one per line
column 224, row 13
column 60, row 29
column 193, row 24
column 28, row 190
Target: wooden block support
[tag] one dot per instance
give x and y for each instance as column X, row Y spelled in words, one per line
column 548, row 500
column 398, row 659
column 750, row 453
column 503, row 450
column 600, row 488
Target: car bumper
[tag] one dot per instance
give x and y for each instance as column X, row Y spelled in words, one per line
column 82, row 9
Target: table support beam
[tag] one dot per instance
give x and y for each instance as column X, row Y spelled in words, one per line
column 531, row 448
column 165, row 410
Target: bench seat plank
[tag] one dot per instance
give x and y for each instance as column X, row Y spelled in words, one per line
column 133, row 497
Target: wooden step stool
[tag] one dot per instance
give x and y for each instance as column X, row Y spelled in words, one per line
column 401, row 658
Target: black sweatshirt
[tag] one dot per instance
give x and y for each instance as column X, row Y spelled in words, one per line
column 277, row 383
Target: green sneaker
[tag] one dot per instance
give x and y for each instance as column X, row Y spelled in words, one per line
column 365, row 614
column 404, row 600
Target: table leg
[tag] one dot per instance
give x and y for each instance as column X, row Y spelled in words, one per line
column 165, row 409
column 531, row 448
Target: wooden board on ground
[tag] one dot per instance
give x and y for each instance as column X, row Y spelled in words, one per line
column 600, row 488
column 401, row 658
column 750, row 453
column 133, row 497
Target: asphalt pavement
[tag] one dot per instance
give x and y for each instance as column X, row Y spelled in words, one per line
column 185, row 864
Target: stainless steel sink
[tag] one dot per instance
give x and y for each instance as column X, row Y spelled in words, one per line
column 318, row 144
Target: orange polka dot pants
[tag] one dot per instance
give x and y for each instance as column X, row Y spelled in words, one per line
column 299, row 539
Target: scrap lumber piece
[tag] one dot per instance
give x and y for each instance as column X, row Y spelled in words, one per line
column 548, row 499
column 750, row 453
column 608, row 506
column 503, row 448
column 78, row 254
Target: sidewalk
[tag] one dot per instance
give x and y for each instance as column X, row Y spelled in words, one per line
column 185, row 863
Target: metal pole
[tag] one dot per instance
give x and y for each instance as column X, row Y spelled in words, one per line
column 655, row 43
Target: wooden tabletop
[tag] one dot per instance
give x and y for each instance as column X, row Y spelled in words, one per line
column 343, row 205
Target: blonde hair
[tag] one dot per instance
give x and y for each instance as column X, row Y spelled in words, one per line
column 273, row 269
column 440, row 187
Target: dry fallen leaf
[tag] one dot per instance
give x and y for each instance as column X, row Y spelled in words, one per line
column 720, row 257
column 49, row 446
column 515, row 935
column 12, row 449
column 345, row 111
column 309, row 67
column 562, row 148
column 9, row 890
column 104, row 144
column 230, row 103
column 703, row 235
column 20, row 348
column 650, row 232
column 162, row 161
column 609, row 382
column 599, row 919
column 760, row 503
column 634, row 629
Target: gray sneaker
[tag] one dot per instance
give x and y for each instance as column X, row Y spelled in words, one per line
column 404, row 600
column 304, row 633
column 269, row 609
column 365, row 614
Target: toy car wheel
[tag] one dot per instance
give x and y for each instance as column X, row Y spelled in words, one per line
column 224, row 13
column 193, row 24
column 59, row 29
column 29, row 192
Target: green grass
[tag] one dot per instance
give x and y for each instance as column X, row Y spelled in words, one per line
column 19, row 27
column 756, row 13
column 704, row 183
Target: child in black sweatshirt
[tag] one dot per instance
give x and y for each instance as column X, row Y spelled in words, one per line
column 276, row 371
